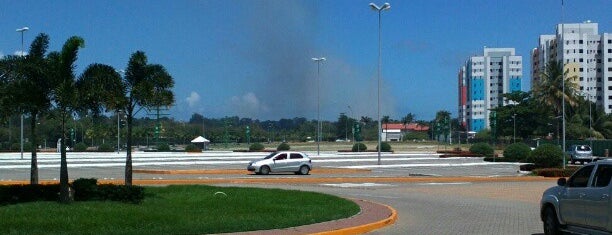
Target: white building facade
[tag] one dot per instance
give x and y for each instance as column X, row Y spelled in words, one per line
column 586, row 56
column 482, row 82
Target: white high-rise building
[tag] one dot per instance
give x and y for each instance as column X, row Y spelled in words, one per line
column 482, row 82
column 586, row 55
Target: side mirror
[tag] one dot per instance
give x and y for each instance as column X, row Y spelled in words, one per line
column 561, row 181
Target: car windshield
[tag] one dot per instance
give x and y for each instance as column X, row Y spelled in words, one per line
column 584, row 148
column 271, row 155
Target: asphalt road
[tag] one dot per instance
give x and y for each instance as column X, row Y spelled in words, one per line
column 452, row 207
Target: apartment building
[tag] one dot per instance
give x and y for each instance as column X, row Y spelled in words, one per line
column 586, row 56
column 482, row 82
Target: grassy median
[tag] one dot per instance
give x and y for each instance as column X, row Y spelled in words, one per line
column 179, row 209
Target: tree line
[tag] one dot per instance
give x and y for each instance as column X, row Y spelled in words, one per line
column 43, row 85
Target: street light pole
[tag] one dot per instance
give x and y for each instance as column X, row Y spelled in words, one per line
column 378, row 9
column 352, row 124
column 22, row 30
column 318, row 61
column 514, row 132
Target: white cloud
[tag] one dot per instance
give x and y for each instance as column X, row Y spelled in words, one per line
column 193, row 99
column 21, row 53
column 247, row 105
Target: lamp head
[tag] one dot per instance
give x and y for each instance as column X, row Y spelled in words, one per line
column 23, row 29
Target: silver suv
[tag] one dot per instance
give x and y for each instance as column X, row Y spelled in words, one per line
column 580, row 153
column 580, row 204
column 285, row 161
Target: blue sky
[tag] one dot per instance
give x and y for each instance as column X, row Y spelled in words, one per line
column 252, row 58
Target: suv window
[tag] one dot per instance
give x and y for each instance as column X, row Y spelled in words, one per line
column 581, row 178
column 602, row 176
column 583, row 148
column 296, row 156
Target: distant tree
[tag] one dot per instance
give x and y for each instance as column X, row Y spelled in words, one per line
column 409, row 118
column 549, row 90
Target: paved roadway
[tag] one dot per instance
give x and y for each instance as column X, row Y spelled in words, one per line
column 453, row 207
column 111, row 165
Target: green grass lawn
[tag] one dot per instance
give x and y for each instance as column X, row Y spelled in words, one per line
column 178, row 209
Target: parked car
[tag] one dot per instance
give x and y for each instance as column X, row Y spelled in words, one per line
column 285, row 161
column 580, row 153
column 580, row 204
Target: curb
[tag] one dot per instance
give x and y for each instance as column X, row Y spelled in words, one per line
column 361, row 229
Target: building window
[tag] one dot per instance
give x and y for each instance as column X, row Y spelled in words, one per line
column 581, row 42
column 610, row 97
column 609, row 50
column 599, row 79
column 581, row 79
column 610, row 79
column 609, row 41
column 599, row 61
column 580, row 51
column 609, row 69
column 581, row 88
column 581, row 69
column 580, row 60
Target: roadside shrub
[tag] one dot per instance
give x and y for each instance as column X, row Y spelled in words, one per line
column 517, row 152
column 283, row 147
column 386, row 147
column 163, row 147
column 85, row 189
column 256, row 147
column 106, row 148
column 555, row 172
column 27, row 146
column 80, row 147
column 546, row 156
column 121, row 193
column 11, row 194
column 192, row 148
column 483, row 149
column 359, row 147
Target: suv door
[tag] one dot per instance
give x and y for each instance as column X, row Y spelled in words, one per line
column 571, row 204
column 597, row 199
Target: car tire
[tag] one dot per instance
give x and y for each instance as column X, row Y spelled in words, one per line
column 551, row 224
column 572, row 160
column 303, row 170
column 264, row 170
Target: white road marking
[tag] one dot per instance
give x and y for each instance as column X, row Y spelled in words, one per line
column 353, row 185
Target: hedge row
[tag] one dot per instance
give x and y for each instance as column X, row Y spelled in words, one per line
column 84, row 190
column 555, row 172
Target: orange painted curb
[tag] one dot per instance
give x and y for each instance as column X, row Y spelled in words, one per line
column 361, row 229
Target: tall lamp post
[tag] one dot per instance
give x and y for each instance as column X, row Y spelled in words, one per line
column 352, row 124
column 318, row 61
column 378, row 9
column 22, row 30
column 514, row 130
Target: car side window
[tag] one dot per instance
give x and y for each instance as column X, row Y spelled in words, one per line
column 602, row 176
column 580, row 179
column 296, row 156
column 281, row 157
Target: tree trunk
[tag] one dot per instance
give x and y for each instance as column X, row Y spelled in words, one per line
column 128, row 158
column 64, row 188
column 34, row 162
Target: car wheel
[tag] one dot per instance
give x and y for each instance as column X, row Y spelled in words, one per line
column 573, row 161
column 264, row 170
column 551, row 224
column 304, row 170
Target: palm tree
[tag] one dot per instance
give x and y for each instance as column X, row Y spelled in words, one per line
column 146, row 86
column 29, row 90
column 550, row 88
column 64, row 96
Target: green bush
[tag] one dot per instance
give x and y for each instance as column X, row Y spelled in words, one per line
column 386, row 147
column 80, row 147
column 106, row 148
column 517, row 152
column 483, row 149
column 11, row 194
column 85, row 189
column 192, row 148
column 121, row 193
column 283, row 147
column 555, row 172
column 546, row 156
column 256, row 147
column 359, row 147
column 27, row 147
column 163, row 147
